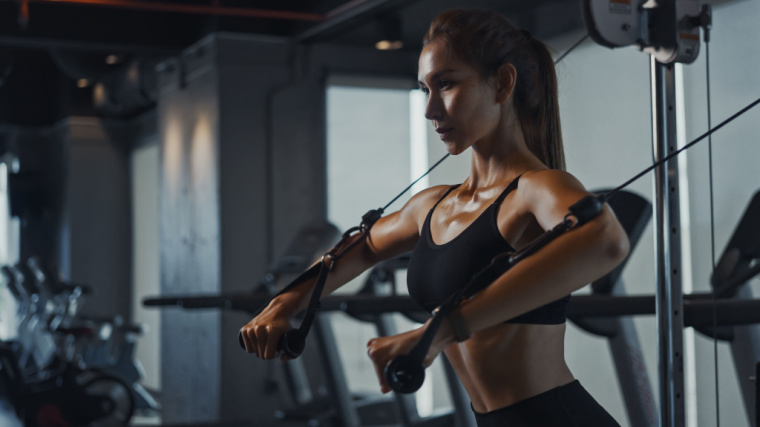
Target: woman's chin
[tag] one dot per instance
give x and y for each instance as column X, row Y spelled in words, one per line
column 455, row 149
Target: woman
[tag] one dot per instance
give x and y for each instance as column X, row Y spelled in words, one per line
column 491, row 88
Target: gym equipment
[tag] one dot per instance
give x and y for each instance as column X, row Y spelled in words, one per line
column 37, row 346
column 105, row 344
column 63, row 366
column 739, row 263
column 634, row 213
column 66, row 393
column 648, row 26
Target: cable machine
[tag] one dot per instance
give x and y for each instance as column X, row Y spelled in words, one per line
column 668, row 30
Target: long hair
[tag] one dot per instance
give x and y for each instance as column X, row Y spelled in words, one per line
column 487, row 40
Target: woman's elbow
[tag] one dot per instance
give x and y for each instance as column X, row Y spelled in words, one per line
column 615, row 243
column 610, row 241
column 619, row 248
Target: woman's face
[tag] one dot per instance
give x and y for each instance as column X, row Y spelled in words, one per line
column 462, row 106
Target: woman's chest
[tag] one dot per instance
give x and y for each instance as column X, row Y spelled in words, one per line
column 507, row 221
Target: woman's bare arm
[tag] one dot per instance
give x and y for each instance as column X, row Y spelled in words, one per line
column 391, row 235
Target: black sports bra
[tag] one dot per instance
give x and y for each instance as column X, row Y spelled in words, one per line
column 437, row 271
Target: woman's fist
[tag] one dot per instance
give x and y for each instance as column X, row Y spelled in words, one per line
column 262, row 334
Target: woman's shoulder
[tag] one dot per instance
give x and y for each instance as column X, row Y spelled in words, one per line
column 548, row 193
column 542, row 180
column 550, row 189
column 430, row 196
column 420, row 203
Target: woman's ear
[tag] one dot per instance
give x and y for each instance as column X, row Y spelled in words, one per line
column 506, row 79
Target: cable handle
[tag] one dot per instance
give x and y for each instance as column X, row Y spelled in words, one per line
column 292, row 343
column 406, row 373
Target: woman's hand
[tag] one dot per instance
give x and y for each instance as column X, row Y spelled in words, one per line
column 384, row 349
column 262, row 334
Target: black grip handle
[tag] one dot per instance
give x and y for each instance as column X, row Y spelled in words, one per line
column 586, row 209
column 291, row 343
column 405, row 374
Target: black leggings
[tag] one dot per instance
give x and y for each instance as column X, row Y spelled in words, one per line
column 569, row 405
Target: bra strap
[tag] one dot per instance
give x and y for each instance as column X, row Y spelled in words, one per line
column 512, row 185
column 452, row 188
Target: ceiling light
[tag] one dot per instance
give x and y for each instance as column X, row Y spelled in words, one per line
column 390, row 33
column 113, row 59
column 389, row 45
column 82, row 83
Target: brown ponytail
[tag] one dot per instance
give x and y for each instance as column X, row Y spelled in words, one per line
column 488, row 40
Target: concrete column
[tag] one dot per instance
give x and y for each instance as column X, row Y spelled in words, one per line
column 242, row 137
column 214, row 219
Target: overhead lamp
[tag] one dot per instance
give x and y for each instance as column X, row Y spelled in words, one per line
column 390, row 30
column 113, row 59
column 83, row 83
column 389, row 45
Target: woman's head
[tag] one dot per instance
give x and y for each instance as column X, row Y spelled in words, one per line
column 487, row 41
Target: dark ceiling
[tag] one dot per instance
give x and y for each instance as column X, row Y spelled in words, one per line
column 48, row 46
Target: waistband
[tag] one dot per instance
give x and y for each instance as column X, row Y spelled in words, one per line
column 538, row 402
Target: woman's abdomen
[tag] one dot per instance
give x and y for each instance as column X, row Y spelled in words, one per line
column 507, row 363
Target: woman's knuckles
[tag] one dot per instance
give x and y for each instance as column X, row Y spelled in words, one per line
column 372, row 353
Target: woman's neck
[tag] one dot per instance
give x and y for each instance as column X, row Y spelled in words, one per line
column 500, row 158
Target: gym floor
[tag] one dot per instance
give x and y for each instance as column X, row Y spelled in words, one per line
column 8, row 419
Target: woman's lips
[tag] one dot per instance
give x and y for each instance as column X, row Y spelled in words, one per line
column 444, row 133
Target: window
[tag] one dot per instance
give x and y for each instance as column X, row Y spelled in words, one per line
column 378, row 142
column 9, row 231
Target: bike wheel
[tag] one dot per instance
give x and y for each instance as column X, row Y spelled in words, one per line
column 116, row 400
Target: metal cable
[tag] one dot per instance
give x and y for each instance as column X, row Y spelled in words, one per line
column 578, row 43
column 712, row 231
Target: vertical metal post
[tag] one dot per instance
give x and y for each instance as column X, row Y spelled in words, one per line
column 669, row 290
column 625, row 347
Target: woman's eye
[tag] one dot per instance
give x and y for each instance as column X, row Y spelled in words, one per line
column 443, row 84
column 425, row 90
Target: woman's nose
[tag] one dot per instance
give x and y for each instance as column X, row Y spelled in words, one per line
column 434, row 107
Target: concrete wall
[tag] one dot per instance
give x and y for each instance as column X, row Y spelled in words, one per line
column 99, row 218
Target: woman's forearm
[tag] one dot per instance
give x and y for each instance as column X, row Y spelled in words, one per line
column 348, row 267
